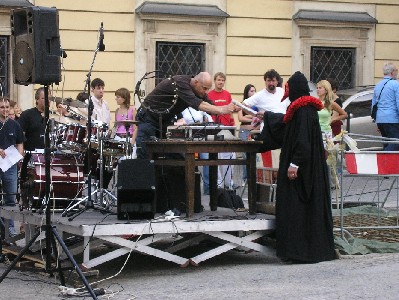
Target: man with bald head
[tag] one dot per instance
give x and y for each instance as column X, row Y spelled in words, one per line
column 169, row 98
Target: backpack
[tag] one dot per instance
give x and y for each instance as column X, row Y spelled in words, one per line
column 228, row 198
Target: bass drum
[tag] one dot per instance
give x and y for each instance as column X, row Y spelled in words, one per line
column 66, row 181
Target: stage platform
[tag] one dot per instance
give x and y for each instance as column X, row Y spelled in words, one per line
column 162, row 237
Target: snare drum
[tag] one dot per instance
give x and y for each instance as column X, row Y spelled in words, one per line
column 66, row 175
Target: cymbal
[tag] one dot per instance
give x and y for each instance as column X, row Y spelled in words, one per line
column 70, row 102
column 126, row 122
column 61, row 119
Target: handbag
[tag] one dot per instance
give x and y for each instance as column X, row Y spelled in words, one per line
column 374, row 108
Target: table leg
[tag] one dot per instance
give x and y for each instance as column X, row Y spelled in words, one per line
column 251, row 169
column 213, row 183
column 190, row 183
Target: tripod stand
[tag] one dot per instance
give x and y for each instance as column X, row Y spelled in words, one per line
column 50, row 230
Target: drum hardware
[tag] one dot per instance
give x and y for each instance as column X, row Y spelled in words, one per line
column 127, row 123
column 105, row 203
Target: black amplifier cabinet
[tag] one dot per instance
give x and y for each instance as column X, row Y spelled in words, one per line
column 136, row 189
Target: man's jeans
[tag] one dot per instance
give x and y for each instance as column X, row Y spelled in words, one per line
column 389, row 130
column 244, row 134
column 9, row 181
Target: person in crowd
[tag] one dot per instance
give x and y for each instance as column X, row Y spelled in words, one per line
column 246, row 123
column 331, row 112
column 32, row 123
column 82, row 96
column 336, row 126
column 101, row 118
column 193, row 116
column 125, row 112
column 269, row 98
column 386, row 96
column 11, row 134
column 15, row 110
column 304, row 228
column 220, row 97
column 169, row 98
column 11, row 113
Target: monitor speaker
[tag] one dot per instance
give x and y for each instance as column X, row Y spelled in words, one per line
column 136, row 191
column 35, row 40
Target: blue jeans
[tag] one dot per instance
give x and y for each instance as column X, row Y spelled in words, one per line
column 205, row 173
column 243, row 135
column 389, row 130
column 9, row 181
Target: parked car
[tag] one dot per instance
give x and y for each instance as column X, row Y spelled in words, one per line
column 358, row 107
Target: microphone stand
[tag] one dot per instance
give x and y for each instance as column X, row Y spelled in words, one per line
column 89, row 203
column 50, row 230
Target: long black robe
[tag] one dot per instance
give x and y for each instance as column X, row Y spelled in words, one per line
column 304, row 228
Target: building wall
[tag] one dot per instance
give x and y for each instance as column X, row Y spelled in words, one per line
column 258, row 35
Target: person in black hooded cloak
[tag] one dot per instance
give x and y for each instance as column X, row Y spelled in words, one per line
column 304, row 228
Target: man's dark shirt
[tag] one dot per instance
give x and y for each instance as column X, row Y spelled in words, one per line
column 10, row 134
column 33, row 125
column 168, row 90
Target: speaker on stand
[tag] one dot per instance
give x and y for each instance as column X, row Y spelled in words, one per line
column 36, row 45
column 136, row 191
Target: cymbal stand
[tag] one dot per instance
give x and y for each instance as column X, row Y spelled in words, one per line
column 101, row 189
column 128, row 151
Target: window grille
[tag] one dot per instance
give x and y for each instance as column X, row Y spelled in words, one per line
column 336, row 63
column 4, row 65
column 179, row 58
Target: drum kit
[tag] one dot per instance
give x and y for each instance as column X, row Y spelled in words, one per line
column 68, row 162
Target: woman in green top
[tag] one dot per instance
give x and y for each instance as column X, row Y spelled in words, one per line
column 326, row 117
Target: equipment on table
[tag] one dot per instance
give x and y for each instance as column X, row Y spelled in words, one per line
column 197, row 131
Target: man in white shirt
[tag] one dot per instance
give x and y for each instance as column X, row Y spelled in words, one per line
column 101, row 110
column 269, row 98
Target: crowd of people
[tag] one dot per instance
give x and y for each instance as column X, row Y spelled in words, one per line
column 289, row 118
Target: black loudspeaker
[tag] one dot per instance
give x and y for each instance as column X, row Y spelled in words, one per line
column 36, row 45
column 136, row 189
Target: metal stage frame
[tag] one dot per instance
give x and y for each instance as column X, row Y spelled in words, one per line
column 97, row 229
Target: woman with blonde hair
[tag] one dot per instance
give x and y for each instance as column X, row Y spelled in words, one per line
column 331, row 113
column 326, row 116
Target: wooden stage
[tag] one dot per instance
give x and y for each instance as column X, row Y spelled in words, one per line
column 144, row 236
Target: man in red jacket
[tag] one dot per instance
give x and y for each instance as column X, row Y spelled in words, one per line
column 220, row 97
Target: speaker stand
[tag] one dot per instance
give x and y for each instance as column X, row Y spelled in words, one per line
column 50, row 231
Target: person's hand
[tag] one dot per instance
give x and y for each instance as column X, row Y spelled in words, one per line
column 259, row 115
column 2, row 153
column 292, row 173
column 229, row 108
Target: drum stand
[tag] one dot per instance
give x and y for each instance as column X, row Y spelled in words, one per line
column 106, row 205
